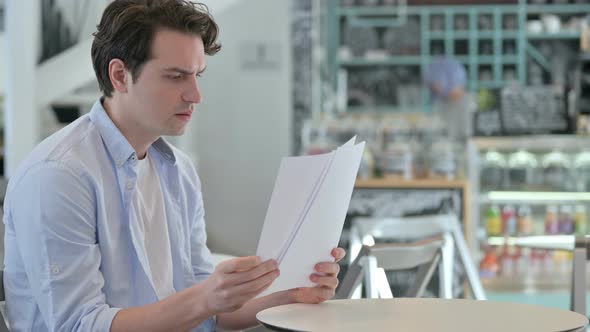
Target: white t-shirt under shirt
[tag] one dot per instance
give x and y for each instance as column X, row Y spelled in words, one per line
column 148, row 203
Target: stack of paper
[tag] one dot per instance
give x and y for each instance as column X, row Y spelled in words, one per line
column 306, row 213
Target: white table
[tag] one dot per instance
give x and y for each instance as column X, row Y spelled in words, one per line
column 419, row 314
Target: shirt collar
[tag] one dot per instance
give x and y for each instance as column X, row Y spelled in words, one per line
column 116, row 143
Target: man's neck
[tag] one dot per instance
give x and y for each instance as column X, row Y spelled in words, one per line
column 131, row 130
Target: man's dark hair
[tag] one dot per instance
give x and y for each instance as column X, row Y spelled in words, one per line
column 127, row 29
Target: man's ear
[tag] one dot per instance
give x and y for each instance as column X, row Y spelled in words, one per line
column 118, row 75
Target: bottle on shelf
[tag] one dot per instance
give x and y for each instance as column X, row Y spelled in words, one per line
column 493, row 221
column 523, row 262
column 551, row 220
column 488, row 267
column 507, row 262
column 562, row 263
column 536, row 262
column 566, row 220
column 580, row 220
column 508, row 220
column 547, row 264
column 525, row 221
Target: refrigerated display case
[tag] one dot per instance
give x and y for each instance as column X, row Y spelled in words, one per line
column 523, row 187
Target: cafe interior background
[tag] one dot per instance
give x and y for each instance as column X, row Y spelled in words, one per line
column 510, row 157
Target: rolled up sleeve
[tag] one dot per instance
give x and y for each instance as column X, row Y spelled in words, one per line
column 53, row 217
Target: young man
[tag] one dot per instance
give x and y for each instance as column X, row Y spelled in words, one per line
column 104, row 219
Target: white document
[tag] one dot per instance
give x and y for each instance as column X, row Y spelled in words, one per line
column 306, row 213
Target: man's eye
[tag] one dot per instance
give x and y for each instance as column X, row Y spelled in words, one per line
column 176, row 77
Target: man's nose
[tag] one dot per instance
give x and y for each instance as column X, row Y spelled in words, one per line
column 193, row 92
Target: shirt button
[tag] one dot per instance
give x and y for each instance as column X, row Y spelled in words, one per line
column 54, row 269
column 129, row 185
column 119, row 162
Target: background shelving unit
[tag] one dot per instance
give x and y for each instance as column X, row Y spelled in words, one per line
column 490, row 40
column 549, row 287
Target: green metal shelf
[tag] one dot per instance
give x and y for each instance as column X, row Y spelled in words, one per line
column 558, row 9
column 481, row 34
column 559, row 35
column 491, row 84
column 391, row 61
column 377, row 109
column 417, row 60
column 463, row 9
column 447, row 37
column 490, row 60
column 416, row 10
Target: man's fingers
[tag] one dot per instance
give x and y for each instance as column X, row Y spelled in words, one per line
column 338, row 253
column 253, row 287
column 256, row 286
column 326, row 293
column 237, row 278
column 262, row 269
column 238, row 264
column 247, row 297
column 330, row 282
column 331, row 268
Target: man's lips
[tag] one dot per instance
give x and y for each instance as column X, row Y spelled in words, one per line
column 185, row 115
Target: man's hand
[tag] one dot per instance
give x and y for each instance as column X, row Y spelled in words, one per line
column 236, row 281
column 325, row 278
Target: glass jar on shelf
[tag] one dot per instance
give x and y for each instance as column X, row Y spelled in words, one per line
column 333, row 128
column 314, row 138
column 428, row 131
column 394, row 131
column 493, row 171
column 366, row 130
column 581, row 171
column 397, row 156
column 444, row 160
column 367, row 165
column 346, row 128
column 397, row 160
column 523, row 170
column 556, row 171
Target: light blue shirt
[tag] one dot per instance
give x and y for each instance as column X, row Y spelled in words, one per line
column 448, row 73
column 73, row 246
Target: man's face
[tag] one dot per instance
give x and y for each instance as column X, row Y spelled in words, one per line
column 162, row 97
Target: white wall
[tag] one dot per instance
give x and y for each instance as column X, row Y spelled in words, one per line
column 2, row 63
column 242, row 129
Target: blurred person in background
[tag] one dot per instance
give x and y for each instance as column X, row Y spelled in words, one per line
column 446, row 79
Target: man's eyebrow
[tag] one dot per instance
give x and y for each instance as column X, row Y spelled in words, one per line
column 184, row 71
